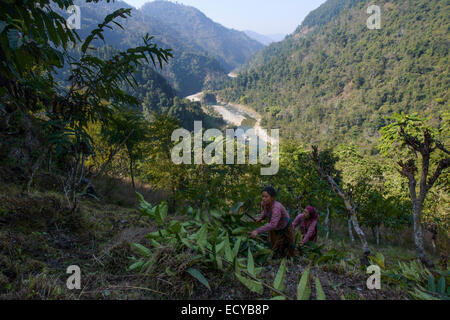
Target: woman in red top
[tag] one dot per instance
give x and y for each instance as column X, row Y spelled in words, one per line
column 281, row 232
column 307, row 223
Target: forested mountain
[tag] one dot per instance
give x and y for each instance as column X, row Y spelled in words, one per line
column 334, row 79
column 230, row 47
column 88, row 185
column 203, row 50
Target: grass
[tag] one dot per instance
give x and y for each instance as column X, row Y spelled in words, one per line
column 40, row 238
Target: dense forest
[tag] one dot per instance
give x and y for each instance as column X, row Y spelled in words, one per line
column 334, row 79
column 196, row 62
column 86, row 138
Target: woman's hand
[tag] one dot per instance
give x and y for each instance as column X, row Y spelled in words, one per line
column 259, row 219
column 253, row 234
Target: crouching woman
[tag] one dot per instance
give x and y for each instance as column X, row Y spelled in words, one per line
column 307, row 223
column 281, row 232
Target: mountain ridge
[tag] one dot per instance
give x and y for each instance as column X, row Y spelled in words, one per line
column 193, row 65
column 340, row 80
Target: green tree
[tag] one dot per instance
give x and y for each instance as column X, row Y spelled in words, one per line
column 130, row 127
column 33, row 43
column 409, row 139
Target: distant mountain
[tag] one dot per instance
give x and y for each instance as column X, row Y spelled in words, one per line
column 203, row 50
column 230, row 47
column 188, row 72
column 333, row 79
column 264, row 39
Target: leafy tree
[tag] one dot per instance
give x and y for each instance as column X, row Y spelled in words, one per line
column 34, row 42
column 409, row 139
column 130, row 127
column 325, row 170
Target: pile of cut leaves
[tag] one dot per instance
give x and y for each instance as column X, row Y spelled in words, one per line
column 220, row 241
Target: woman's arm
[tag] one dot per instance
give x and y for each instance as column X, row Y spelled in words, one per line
column 272, row 225
column 263, row 214
column 310, row 232
column 261, row 217
column 297, row 220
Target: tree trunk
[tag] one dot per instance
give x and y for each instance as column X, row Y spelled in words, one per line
column 35, row 167
column 418, row 234
column 377, row 234
column 417, row 203
column 327, row 222
column 350, row 232
column 409, row 169
column 132, row 173
column 349, row 205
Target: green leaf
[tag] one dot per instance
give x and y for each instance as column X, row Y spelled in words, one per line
column 378, row 259
column 169, row 272
column 441, row 286
column 240, row 231
column 188, row 244
column 202, row 236
column 431, row 284
column 155, row 243
column 220, row 247
column 303, row 288
column 420, row 295
column 219, row 261
column 143, row 251
column 3, row 25
column 14, row 39
column 136, row 265
column 228, row 252
column 163, row 207
column 140, row 197
column 236, row 247
column 252, row 285
column 281, row 276
column 199, row 276
column 278, row 298
column 263, row 252
column 320, row 295
column 175, row 227
column 198, row 214
column 250, row 263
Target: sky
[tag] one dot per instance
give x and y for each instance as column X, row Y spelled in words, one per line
column 263, row 16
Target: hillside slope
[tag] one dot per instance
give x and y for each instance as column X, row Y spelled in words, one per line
column 333, row 79
column 230, row 47
column 203, row 51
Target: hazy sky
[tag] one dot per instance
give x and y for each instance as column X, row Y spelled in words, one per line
column 263, row 16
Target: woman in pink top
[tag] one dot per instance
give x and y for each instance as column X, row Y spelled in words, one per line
column 281, row 232
column 307, row 223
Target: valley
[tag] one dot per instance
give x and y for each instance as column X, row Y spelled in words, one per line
column 92, row 179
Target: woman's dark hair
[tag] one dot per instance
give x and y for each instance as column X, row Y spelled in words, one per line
column 312, row 211
column 270, row 191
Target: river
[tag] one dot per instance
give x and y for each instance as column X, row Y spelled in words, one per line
column 234, row 114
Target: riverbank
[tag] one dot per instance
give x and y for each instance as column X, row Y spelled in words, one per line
column 235, row 114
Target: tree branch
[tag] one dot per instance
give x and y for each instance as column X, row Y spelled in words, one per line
column 443, row 164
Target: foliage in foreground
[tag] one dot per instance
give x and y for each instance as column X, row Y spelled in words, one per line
column 221, row 242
